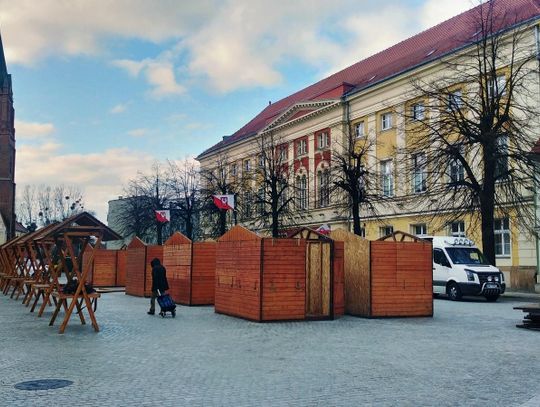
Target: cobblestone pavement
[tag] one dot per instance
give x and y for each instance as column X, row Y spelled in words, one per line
column 469, row 354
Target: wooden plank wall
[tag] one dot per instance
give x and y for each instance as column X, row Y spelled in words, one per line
column 401, row 279
column 238, row 266
column 338, row 275
column 104, row 270
column 135, row 270
column 203, row 273
column 151, row 253
column 284, row 279
column 121, row 258
column 177, row 261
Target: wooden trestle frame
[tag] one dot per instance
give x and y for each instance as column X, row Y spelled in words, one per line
column 33, row 263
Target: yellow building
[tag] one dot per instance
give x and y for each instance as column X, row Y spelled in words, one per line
column 375, row 99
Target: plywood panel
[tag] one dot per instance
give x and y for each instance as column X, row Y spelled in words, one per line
column 121, row 259
column 177, row 260
column 104, row 270
column 135, row 270
column 339, row 282
column 203, row 273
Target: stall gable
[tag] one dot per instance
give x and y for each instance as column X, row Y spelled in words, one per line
column 284, row 279
column 135, row 267
column 238, row 274
column 177, row 259
column 401, row 279
column 239, row 233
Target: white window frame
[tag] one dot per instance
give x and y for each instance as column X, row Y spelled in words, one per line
column 387, row 178
column 502, row 162
column 322, row 140
column 302, row 191
column 500, row 84
column 456, row 228
column 323, row 184
column 282, row 154
column 419, row 173
column 503, row 237
column 386, row 121
column 233, row 170
column 248, row 202
column 455, row 100
column 360, row 129
column 419, row 229
column 301, row 147
column 418, row 111
column 247, row 165
column 385, row 230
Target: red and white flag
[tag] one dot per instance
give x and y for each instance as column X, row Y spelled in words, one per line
column 224, row 201
column 324, row 229
column 163, row 216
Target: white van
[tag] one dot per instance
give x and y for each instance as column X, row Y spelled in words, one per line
column 460, row 268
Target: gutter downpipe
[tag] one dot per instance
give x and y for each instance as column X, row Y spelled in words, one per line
column 347, row 129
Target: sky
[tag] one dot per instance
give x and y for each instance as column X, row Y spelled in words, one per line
column 105, row 88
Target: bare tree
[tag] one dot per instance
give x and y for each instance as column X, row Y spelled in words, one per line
column 274, row 194
column 44, row 204
column 354, row 180
column 470, row 128
column 144, row 195
column 216, row 181
column 184, row 180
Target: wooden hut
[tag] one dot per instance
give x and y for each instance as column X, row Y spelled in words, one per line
column 108, row 268
column 190, row 270
column 138, row 268
column 387, row 278
column 266, row 279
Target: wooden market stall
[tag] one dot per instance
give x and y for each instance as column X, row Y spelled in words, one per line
column 138, row 269
column 71, row 238
column 266, row 279
column 108, row 268
column 191, row 268
column 392, row 277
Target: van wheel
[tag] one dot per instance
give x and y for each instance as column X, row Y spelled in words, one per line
column 492, row 298
column 453, row 291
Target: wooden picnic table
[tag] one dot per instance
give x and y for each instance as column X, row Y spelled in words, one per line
column 532, row 319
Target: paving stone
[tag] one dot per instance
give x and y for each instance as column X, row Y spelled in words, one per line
column 470, row 353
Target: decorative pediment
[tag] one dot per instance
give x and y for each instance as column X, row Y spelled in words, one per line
column 300, row 111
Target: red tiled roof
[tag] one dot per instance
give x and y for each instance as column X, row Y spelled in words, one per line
column 429, row 45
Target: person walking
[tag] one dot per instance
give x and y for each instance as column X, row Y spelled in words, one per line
column 159, row 283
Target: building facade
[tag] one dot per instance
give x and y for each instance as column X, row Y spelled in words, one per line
column 7, row 151
column 374, row 100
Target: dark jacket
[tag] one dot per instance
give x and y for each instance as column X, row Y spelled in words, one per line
column 159, row 276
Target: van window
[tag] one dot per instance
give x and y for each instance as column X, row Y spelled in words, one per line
column 440, row 258
column 466, row 255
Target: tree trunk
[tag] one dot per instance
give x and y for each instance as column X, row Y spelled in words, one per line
column 159, row 227
column 355, row 208
column 189, row 228
column 222, row 222
column 487, row 206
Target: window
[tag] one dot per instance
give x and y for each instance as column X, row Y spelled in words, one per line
column 386, row 121
column 283, row 188
column 440, row 258
column 386, row 230
column 419, row 173
column 260, row 200
column 497, row 87
column 260, row 161
column 282, row 154
column 248, row 200
column 247, row 166
column 502, row 237
column 322, row 140
column 501, row 168
column 359, row 129
column 418, row 111
column 323, row 181
column 456, row 172
column 387, row 178
column 457, row 228
column 301, row 189
column 233, row 170
column 455, row 100
column 301, row 147
column 419, row 230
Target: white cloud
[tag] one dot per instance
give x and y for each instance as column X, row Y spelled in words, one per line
column 33, row 130
column 101, row 175
column 119, row 108
column 434, row 12
column 141, row 132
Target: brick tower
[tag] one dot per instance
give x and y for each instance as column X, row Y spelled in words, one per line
column 7, row 148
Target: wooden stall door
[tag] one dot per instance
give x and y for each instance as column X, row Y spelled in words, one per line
column 318, row 279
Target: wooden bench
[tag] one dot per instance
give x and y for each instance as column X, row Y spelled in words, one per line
column 532, row 319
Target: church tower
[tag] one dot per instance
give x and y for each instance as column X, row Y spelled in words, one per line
column 7, row 148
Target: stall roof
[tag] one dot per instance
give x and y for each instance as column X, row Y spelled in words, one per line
column 83, row 222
